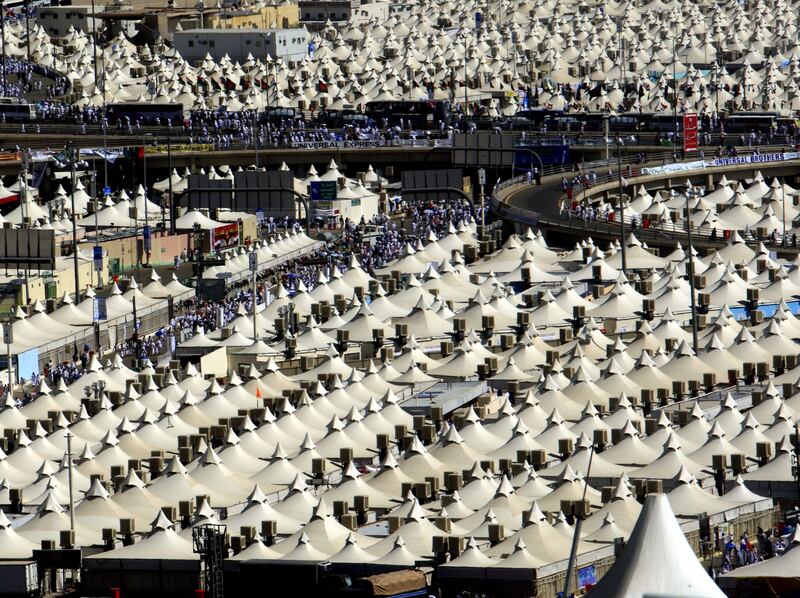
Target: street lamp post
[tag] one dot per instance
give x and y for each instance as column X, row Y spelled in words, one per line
column 3, row 35
column 27, row 31
column 93, row 190
column 169, row 182
column 621, row 206
column 94, row 43
column 690, row 269
column 71, row 149
column 69, row 481
column 783, row 208
column 674, row 91
column 201, row 6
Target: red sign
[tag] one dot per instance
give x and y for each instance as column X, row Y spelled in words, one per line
column 690, row 132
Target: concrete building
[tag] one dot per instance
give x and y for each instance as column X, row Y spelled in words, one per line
column 290, row 45
column 315, row 13
column 57, row 20
column 367, row 11
column 284, row 16
column 320, row 11
column 153, row 22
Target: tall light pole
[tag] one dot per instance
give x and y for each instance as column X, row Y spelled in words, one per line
column 675, row 92
column 147, row 234
column 69, row 478
column 27, row 31
column 71, row 149
column 621, row 206
column 93, row 190
column 94, row 43
column 201, row 6
column 3, row 35
column 783, row 207
column 23, row 179
column 690, row 269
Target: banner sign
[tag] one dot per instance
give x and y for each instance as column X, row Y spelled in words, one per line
column 731, row 161
column 100, row 310
column 678, row 167
column 359, row 144
column 755, row 159
column 225, row 236
column 147, row 238
column 690, row 132
column 178, row 147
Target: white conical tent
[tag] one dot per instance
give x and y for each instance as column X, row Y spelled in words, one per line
column 657, row 560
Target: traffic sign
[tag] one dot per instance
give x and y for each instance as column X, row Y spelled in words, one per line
column 323, row 190
column 106, row 190
column 253, row 262
column 147, row 237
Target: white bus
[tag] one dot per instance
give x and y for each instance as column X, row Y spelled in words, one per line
column 13, row 110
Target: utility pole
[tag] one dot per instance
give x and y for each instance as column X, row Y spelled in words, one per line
column 481, row 183
column 621, row 206
column 93, row 190
column 8, row 339
column 783, row 206
column 3, row 35
column 27, row 31
column 253, row 272
column 675, row 91
column 576, row 536
column 255, row 131
column 23, row 179
column 94, row 43
column 147, row 234
column 71, row 149
column 69, row 476
column 690, row 270
column 169, row 183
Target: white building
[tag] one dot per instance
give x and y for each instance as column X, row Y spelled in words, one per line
column 291, row 45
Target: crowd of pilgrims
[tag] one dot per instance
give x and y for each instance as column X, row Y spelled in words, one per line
column 195, row 315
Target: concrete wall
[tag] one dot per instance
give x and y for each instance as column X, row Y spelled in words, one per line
column 164, row 248
column 60, row 281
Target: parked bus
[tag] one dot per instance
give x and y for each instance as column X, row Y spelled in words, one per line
column 422, row 114
column 745, row 122
column 278, row 116
column 13, row 110
column 338, row 119
column 145, row 112
column 664, row 123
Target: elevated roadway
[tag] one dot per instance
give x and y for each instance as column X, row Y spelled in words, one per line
column 525, row 204
column 53, row 136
